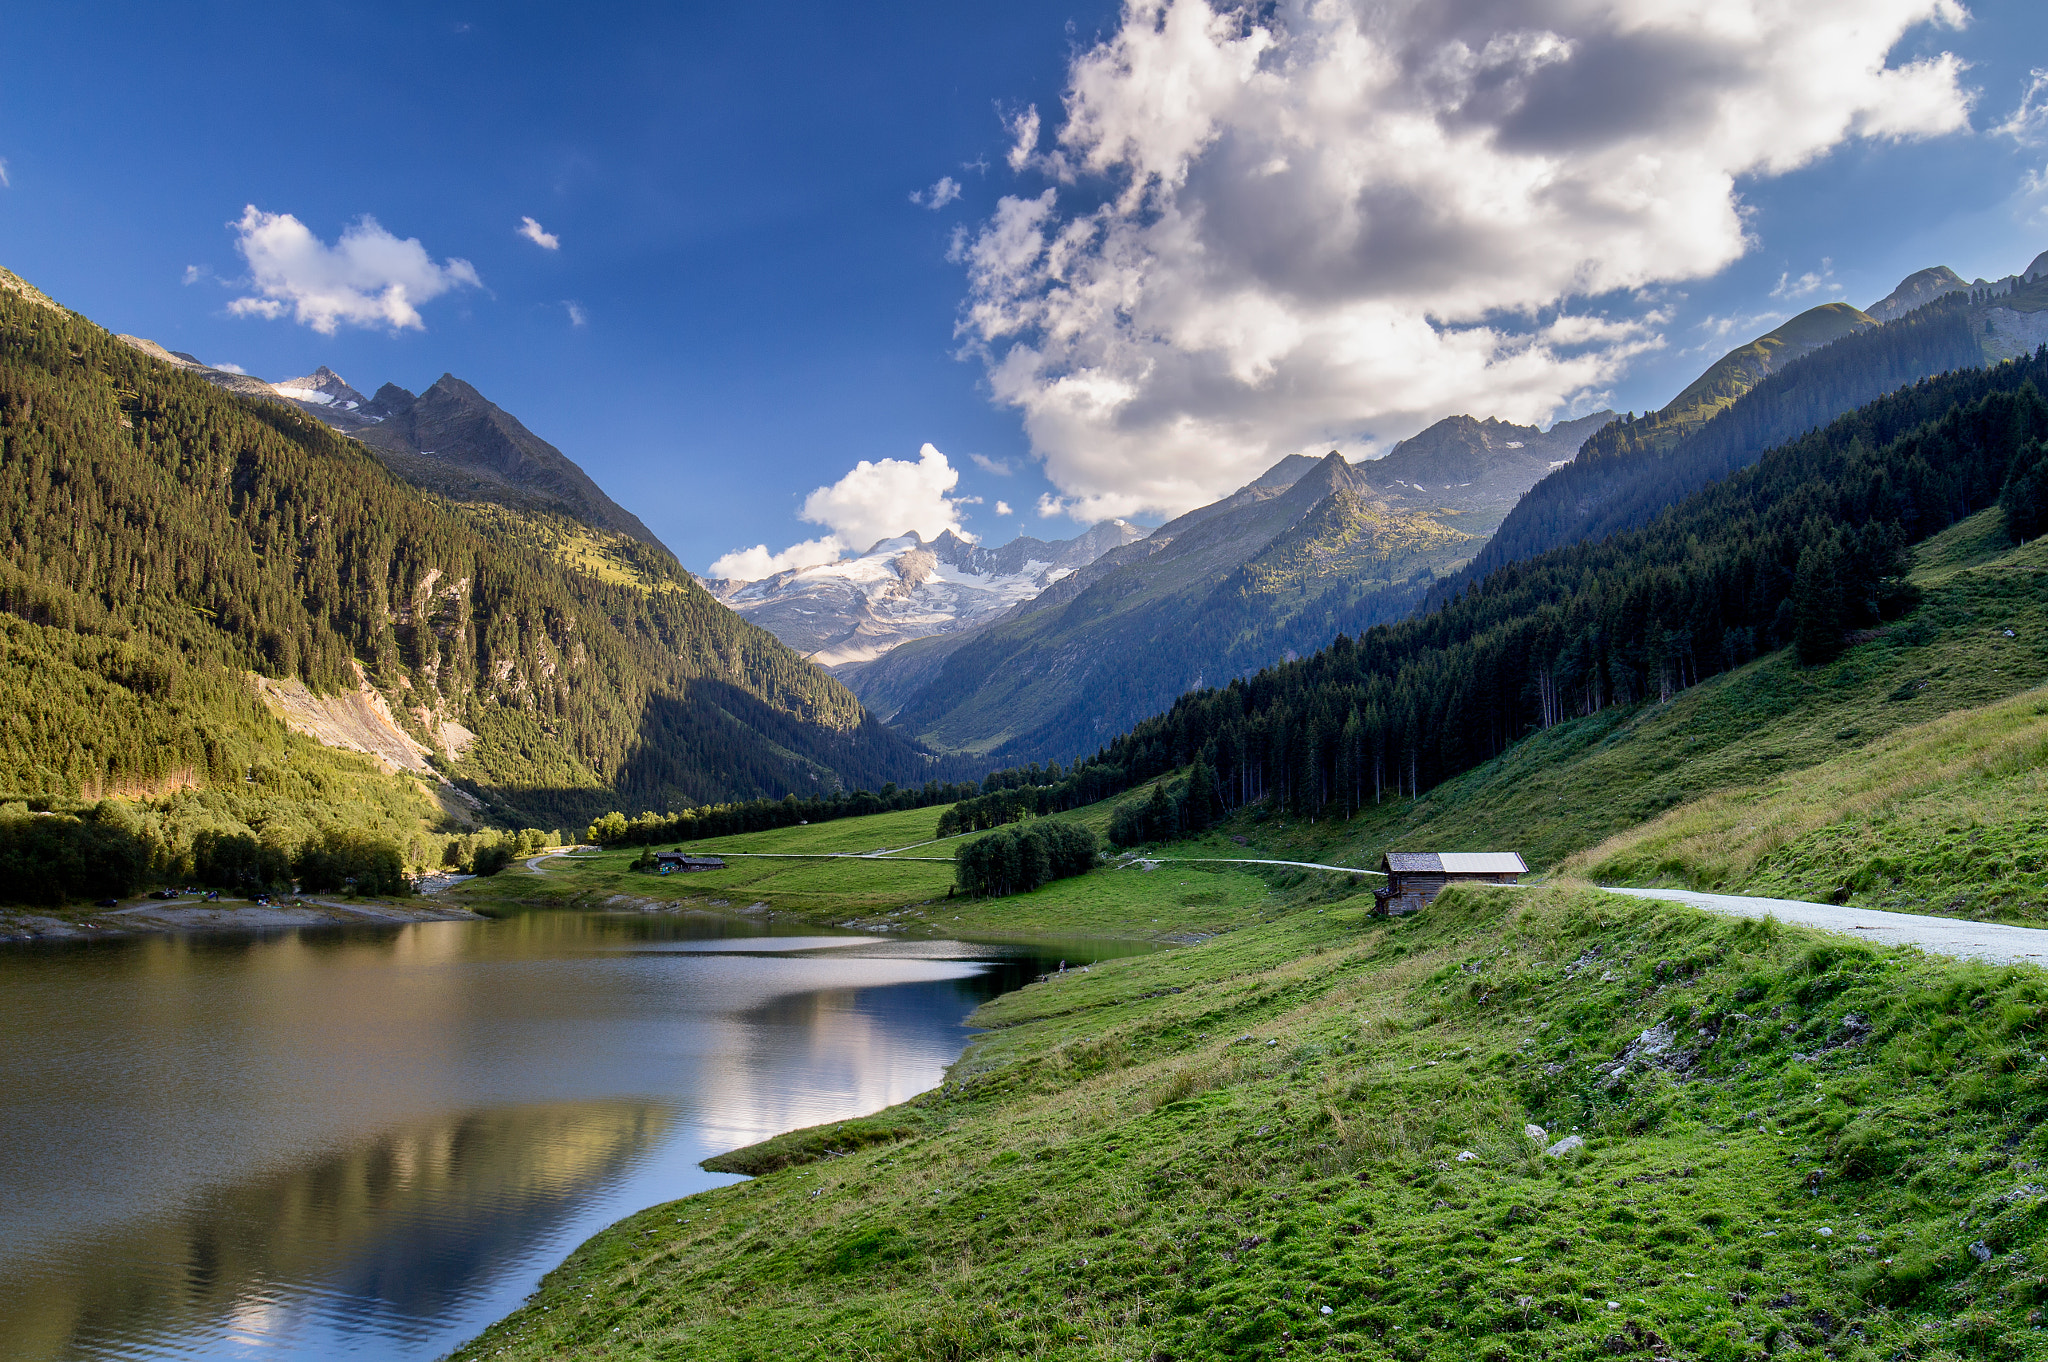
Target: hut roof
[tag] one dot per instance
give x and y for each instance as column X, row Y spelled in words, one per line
column 1453, row 863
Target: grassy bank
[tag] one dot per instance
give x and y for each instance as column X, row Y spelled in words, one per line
column 1259, row 1147
column 1170, row 902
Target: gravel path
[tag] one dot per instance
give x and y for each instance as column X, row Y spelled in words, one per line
column 1248, row 860
column 1942, row 935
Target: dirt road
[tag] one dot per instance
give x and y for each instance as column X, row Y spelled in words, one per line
column 1942, row 935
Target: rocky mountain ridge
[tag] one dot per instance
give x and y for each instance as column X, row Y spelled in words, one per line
column 908, row 587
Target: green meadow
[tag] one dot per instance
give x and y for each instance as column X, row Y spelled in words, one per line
column 1307, row 1136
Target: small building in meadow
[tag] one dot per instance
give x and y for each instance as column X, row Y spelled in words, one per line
column 1416, row 877
column 666, row 861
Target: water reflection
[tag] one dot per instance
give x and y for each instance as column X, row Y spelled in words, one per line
column 382, row 1238
column 368, row 1143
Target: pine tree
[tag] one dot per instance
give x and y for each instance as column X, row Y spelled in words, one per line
column 2024, row 498
column 1200, row 806
column 1817, row 604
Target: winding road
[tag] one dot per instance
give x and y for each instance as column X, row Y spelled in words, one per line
column 1987, row 941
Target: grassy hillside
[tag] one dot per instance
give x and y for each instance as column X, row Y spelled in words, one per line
column 1800, row 748
column 1943, row 817
column 1308, row 1136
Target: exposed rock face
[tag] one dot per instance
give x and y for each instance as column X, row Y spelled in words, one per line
column 1471, row 466
column 905, row 588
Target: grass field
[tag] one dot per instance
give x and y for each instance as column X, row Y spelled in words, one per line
column 1171, row 902
column 1307, row 1136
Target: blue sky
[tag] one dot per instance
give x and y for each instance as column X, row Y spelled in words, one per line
column 763, row 306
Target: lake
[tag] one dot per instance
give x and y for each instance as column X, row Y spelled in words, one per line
column 347, row 1142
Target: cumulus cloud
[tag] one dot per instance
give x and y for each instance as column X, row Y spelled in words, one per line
column 1000, row 467
column 874, row 501
column 577, row 316
column 939, row 195
column 539, row 235
column 5, row 183
column 368, row 278
column 751, row 565
column 1324, row 223
column 1003, row 509
column 227, row 368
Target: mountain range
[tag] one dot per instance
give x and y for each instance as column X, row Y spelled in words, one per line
column 1309, row 549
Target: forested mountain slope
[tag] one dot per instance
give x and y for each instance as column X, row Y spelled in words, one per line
column 161, row 539
column 1740, row 407
column 453, row 442
column 1804, row 548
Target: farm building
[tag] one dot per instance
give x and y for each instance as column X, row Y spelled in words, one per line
column 1416, row 877
column 666, row 861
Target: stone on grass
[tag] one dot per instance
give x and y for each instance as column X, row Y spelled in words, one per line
column 1570, row 1144
column 1536, row 1133
column 1467, row 1156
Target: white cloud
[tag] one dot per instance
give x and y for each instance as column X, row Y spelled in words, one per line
column 874, row 501
column 5, row 183
column 1325, row 223
column 368, row 278
column 939, row 195
column 577, row 316
column 1000, row 467
column 1023, row 130
column 751, row 565
column 539, row 235
column 1003, row 509
column 194, row 273
column 891, row 497
column 228, row 368
column 1808, row 283
column 2028, row 124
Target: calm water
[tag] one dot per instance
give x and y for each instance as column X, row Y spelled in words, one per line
column 343, row 1143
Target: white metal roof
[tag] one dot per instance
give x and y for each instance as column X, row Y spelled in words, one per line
column 1482, row 863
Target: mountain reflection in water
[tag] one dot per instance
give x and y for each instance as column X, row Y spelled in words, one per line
column 369, row 1143
column 400, row 1226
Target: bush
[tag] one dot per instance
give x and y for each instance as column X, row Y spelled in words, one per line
column 1018, row 859
column 492, row 857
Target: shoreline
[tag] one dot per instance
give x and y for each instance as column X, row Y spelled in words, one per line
column 179, row 917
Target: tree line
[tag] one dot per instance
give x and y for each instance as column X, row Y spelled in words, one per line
column 1019, row 859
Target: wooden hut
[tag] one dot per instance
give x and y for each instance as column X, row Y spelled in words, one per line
column 1416, row 877
column 666, row 861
